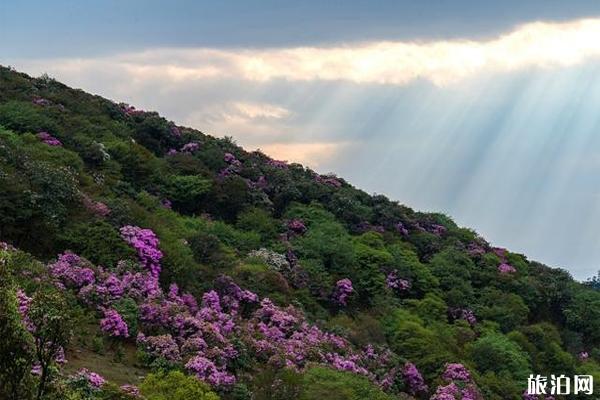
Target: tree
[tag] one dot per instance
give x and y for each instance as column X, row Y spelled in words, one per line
column 175, row 386
column 325, row 383
column 16, row 344
column 52, row 330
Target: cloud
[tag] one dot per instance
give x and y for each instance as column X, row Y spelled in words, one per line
column 536, row 44
column 313, row 154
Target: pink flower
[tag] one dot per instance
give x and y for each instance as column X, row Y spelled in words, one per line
column 343, row 289
column 113, row 324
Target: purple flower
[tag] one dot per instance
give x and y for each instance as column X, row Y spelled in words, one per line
column 401, row 229
column 207, row 371
column 330, row 180
column 343, row 289
column 456, row 371
column 145, row 242
column 175, row 131
column 583, row 356
column 49, row 139
column 464, row 314
column 95, row 207
column 163, row 346
column 113, row 324
column 94, row 379
column 131, row 390
column 505, row 268
column 39, row 101
column 190, row 147
column 413, row 378
column 296, row 226
column 393, row 281
column 278, row 164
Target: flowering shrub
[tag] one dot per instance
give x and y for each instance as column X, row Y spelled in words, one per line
column 95, row 207
column 49, row 139
column 413, row 379
column 464, row 314
column 401, row 229
column 94, row 379
column 343, row 289
column 456, row 372
column 130, row 110
column 460, row 385
column 145, row 242
column 162, row 346
column 131, row 390
column 330, row 180
column 393, row 281
column 190, row 147
column 278, row 164
column 505, row 268
column 113, row 324
column 296, row 226
column 40, row 101
column 72, row 271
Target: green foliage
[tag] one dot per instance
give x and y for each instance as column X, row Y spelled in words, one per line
column 97, row 240
column 496, row 353
column 16, row 345
column 175, row 386
column 186, row 192
column 324, row 383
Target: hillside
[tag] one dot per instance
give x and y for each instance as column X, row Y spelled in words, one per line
column 138, row 253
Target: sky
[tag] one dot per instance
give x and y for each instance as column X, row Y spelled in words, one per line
column 486, row 111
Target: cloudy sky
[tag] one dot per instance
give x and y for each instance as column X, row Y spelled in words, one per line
column 486, row 111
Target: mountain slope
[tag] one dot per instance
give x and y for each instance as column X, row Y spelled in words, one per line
column 229, row 265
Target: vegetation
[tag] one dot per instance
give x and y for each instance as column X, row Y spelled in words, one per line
column 162, row 263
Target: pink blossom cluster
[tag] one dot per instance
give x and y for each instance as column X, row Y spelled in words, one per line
column 131, row 390
column 160, row 346
column 6, row 247
column 95, row 380
column 145, row 242
column 190, row 147
column 464, row 314
column 72, row 271
column 343, row 289
column 96, row 207
column 175, row 131
column 401, row 229
column 40, row 101
column 475, row 249
column 459, row 385
column 330, row 180
column 260, row 183
column 413, row 378
column 113, row 324
column 583, row 356
column 296, row 226
column 278, row 164
column 48, row 139
column 394, row 282
column 281, row 337
column 505, row 268
column 23, row 302
column 130, row 110
column 234, row 166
